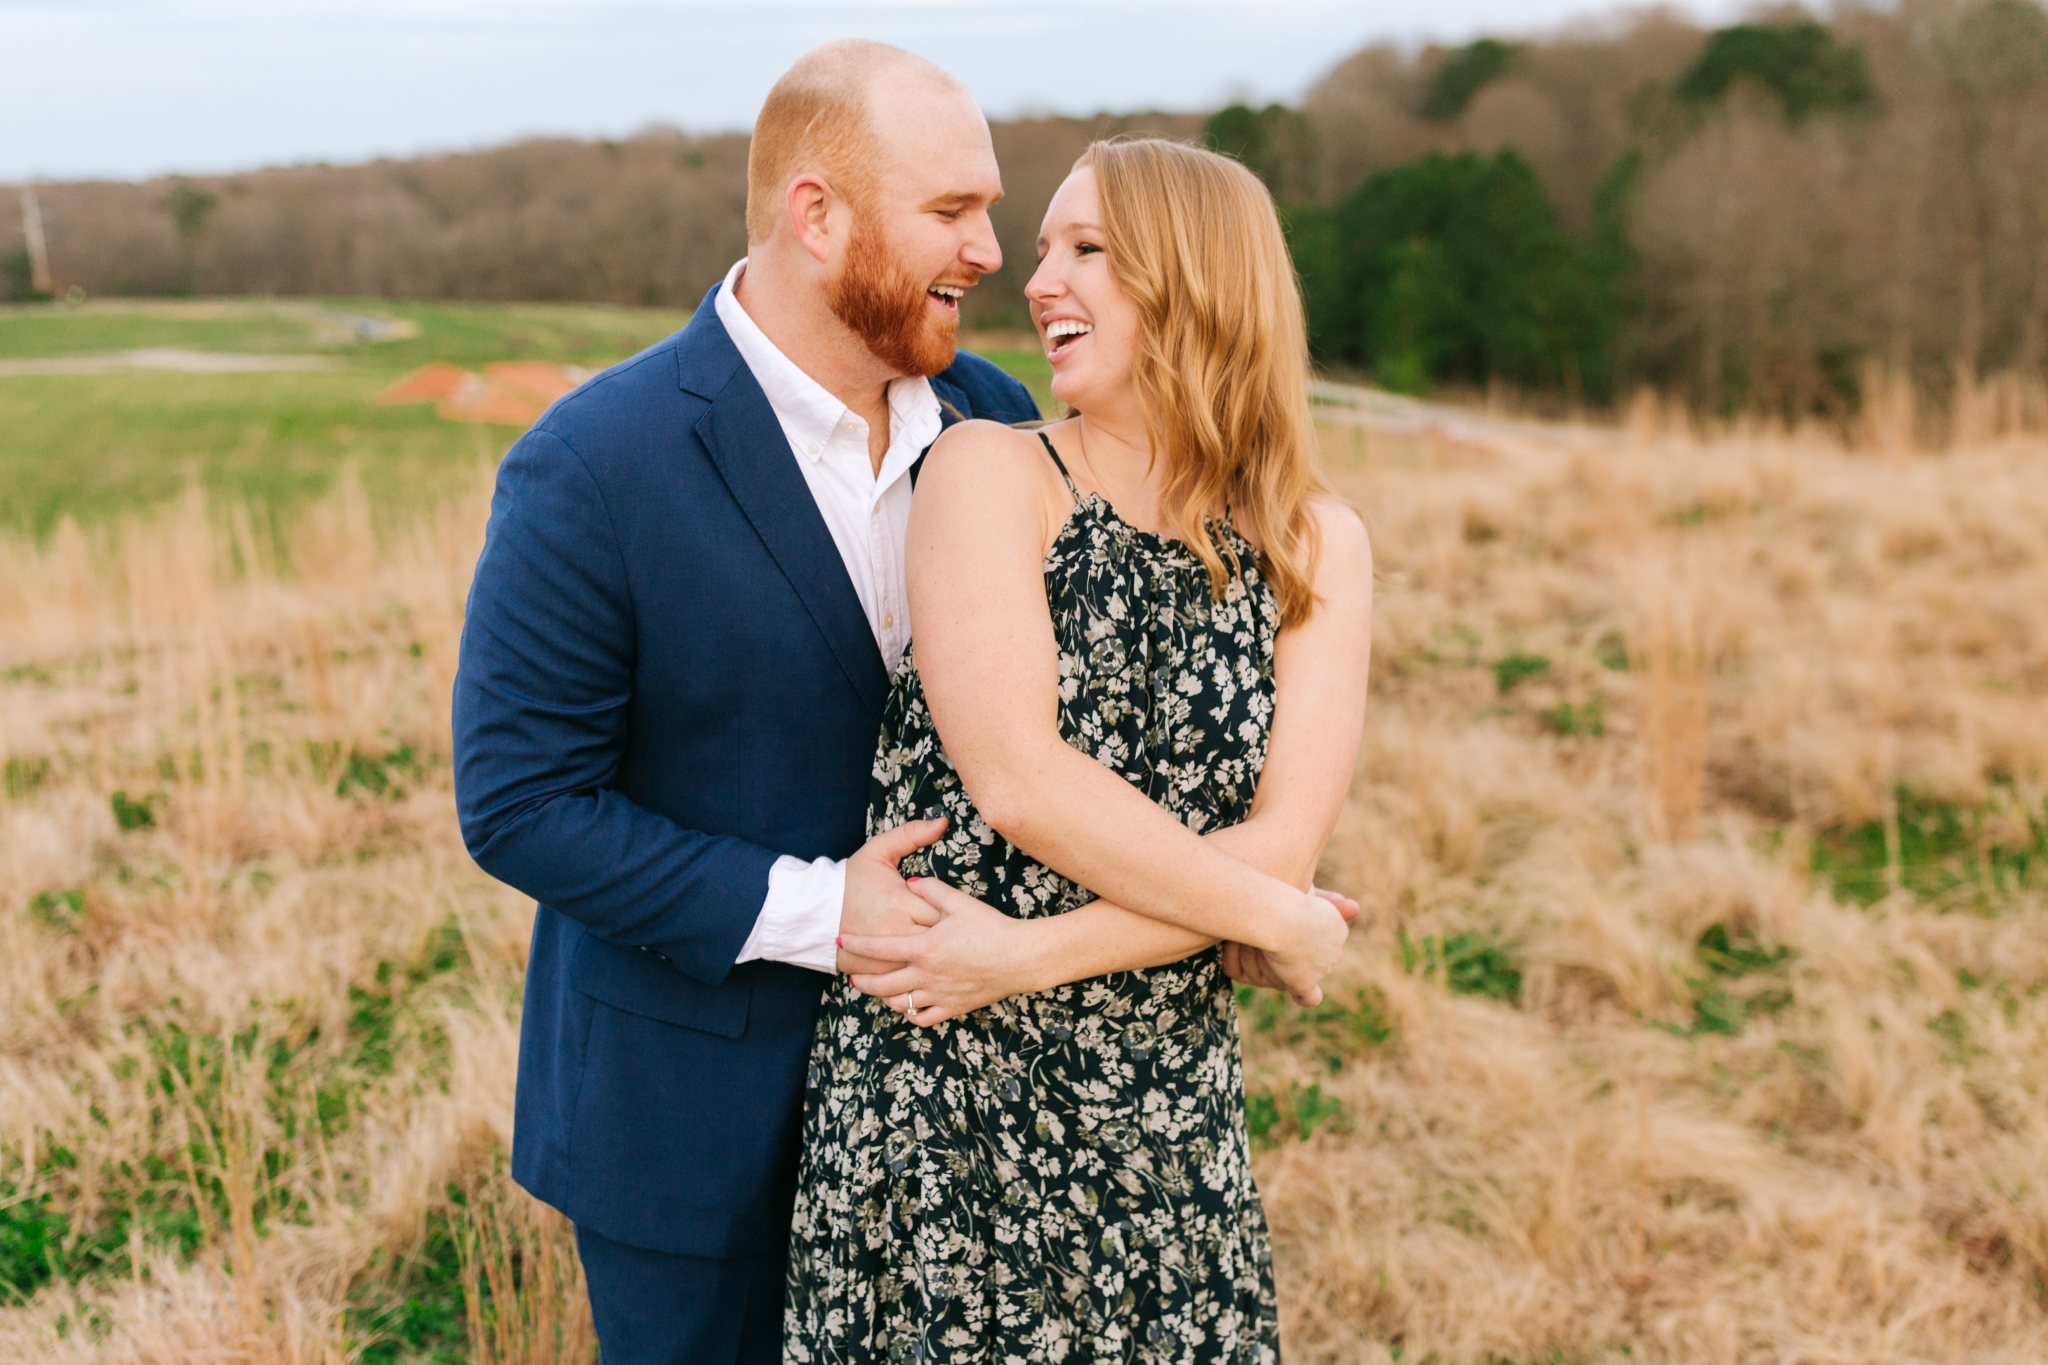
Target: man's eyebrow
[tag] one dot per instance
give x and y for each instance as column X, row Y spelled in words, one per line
column 960, row 199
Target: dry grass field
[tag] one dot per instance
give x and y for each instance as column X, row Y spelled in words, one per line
column 1699, row 1016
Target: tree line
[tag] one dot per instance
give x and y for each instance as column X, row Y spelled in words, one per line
column 1759, row 217
column 653, row 219
column 1773, row 216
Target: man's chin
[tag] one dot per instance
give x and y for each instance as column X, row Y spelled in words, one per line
column 934, row 351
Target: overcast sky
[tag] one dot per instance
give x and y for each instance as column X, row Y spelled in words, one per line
column 140, row 87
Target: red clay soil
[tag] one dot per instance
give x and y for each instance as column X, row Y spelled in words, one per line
column 428, row 384
column 511, row 393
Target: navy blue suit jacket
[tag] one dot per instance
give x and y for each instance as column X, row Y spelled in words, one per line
column 666, row 682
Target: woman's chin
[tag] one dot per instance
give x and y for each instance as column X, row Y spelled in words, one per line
column 1069, row 390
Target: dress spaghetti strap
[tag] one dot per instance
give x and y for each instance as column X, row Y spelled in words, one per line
column 1061, row 466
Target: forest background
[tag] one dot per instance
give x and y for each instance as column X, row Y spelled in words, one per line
column 1785, row 215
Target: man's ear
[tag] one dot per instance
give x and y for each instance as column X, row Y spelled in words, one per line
column 810, row 214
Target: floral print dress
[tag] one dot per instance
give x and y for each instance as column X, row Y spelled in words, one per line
column 1059, row 1177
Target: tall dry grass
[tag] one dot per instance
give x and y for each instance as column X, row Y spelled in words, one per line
column 1607, row 1172
column 269, row 1032
column 273, row 1029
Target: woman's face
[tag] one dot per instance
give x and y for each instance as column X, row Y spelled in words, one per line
column 1089, row 327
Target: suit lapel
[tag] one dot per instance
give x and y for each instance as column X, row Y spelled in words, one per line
column 745, row 441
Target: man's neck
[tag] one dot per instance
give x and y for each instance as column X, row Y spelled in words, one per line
column 794, row 316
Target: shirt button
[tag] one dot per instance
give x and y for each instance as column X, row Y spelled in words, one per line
column 814, row 447
column 889, row 620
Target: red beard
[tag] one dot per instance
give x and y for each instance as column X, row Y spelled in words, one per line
column 884, row 305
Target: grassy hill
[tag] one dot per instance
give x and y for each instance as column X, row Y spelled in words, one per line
column 94, row 445
column 1698, row 1013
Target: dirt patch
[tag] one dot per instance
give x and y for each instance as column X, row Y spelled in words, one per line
column 509, row 393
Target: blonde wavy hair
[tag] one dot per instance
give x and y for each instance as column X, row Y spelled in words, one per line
column 1222, row 359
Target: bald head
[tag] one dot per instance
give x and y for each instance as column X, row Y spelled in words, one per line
column 832, row 114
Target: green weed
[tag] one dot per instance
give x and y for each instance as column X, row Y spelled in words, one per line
column 1273, row 1117
column 1515, row 669
column 1567, row 720
column 1739, row 954
column 410, row 1310
column 167, row 1196
column 377, row 1012
column 1467, row 964
column 24, row 774
column 379, row 776
column 131, row 815
column 1724, row 1000
column 1937, row 851
column 1954, row 1031
column 1332, row 1032
column 57, row 910
column 31, row 1237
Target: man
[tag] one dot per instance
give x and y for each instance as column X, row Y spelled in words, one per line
column 673, row 669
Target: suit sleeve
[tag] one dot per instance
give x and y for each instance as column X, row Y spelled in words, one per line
column 542, row 694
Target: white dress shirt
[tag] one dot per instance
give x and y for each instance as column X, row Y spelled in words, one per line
column 867, row 514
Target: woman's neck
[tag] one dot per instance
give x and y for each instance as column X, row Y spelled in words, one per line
column 1117, row 459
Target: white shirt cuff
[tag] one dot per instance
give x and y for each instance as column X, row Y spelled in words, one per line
column 799, row 922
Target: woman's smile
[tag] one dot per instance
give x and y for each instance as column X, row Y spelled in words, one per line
column 1061, row 335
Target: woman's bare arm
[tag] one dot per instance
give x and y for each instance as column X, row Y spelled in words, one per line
column 977, row 604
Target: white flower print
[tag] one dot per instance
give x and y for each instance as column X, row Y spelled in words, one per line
column 1062, row 1177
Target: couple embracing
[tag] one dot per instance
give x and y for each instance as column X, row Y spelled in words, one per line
column 879, row 1006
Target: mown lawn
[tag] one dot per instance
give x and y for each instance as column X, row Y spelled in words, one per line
column 95, row 446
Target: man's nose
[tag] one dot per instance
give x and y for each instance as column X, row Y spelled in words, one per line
column 981, row 251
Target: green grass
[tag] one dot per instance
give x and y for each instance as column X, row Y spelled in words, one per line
column 407, row 1311
column 1953, row 856
column 95, row 447
column 55, row 330
column 1273, row 1116
column 1515, row 669
column 1726, row 997
column 1467, row 963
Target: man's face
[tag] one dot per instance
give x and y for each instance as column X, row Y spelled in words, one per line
column 922, row 238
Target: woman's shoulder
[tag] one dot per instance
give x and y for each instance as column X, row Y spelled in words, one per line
column 980, row 435
column 1343, row 566
column 1339, row 525
column 980, row 456
column 991, row 485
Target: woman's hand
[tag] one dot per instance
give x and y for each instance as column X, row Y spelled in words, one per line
column 1314, row 944
column 972, row 956
column 1250, row 967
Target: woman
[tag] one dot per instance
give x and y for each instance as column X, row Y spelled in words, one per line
column 1142, row 636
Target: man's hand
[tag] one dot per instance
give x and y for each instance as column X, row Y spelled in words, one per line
column 1251, row 967
column 878, row 903
column 974, row 955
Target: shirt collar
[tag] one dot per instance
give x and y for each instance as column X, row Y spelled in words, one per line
column 806, row 409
